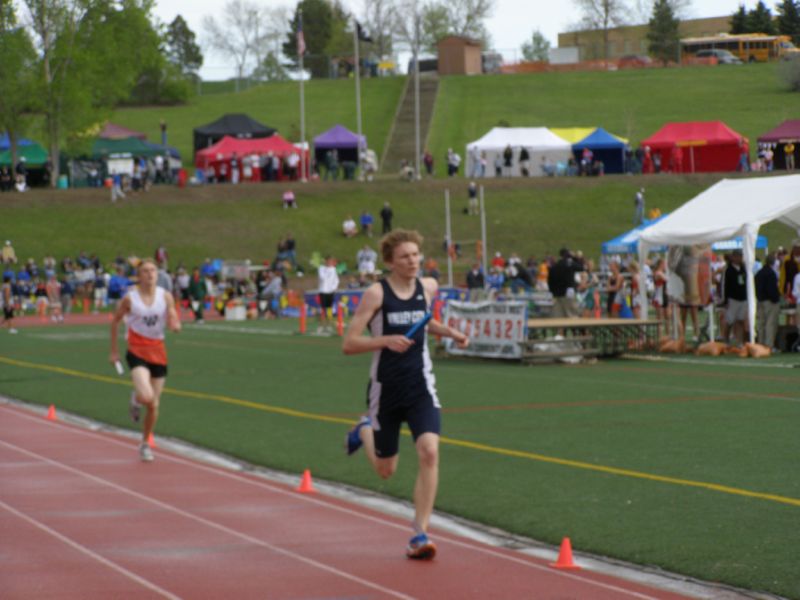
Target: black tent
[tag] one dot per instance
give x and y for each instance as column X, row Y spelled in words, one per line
column 235, row 125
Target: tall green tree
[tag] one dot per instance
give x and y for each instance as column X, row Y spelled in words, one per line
column 739, row 22
column 537, row 48
column 789, row 19
column 89, row 59
column 18, row 89
column 759, row 20
column 181, row 47
column 663, row 33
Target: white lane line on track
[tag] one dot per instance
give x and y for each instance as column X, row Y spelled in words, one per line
column 81, row 548
column 275, row 488
column 212, row 524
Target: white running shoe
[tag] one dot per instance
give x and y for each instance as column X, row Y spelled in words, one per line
column 145, row 453
column 134, row 408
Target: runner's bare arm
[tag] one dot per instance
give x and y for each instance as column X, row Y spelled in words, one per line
column 173, row 320
column 355, row 342
column 431, row 287
column 122, row 310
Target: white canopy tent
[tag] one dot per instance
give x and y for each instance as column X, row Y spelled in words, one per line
column 727, row 209
column 540, row 142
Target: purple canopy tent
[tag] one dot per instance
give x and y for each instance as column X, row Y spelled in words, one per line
column 341, row 139
column 785, row 133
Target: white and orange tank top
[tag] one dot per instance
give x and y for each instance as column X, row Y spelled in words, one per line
column 146, row 325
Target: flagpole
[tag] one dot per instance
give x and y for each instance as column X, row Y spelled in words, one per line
column 358, row 94
column 300, row 51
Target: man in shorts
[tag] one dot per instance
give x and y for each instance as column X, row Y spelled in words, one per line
column 328, row 284
column 402, row 385
column 148, row 310
column 735, row 281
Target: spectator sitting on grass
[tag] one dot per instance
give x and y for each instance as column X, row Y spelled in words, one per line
column 349, row 228
column 289, row 200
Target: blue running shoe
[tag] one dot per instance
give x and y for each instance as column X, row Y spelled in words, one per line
column 420, row 547
column 353, row 439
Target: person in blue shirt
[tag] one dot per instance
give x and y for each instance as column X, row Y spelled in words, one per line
column 366, row 223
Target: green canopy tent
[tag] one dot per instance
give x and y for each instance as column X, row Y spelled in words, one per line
column 34, row 155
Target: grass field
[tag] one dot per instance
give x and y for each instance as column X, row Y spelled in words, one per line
column 328, row 102
column 630, row 103
column 529, row 217
column 687, row 466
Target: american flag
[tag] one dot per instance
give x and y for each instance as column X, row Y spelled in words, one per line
column 301, row 40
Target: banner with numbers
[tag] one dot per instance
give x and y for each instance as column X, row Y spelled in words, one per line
column 495, row 329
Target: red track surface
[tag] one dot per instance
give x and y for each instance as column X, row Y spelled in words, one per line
column 82, row 517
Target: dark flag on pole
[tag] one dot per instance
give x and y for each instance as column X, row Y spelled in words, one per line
column 362, row 35
column 301, row 40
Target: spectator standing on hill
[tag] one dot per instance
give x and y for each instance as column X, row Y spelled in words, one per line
column 508, row 160
column 386, row 217
column 524, row 162
column 561, row 281
column 769, row 302
column 328, row 284
column 5, row 180
column 366, row 223
column 788, row 152
column 162, row 257
column 638, row 203
column 453, row 162
column 427, row 160
column 402, row 386
column 472, row 199
column 475, row 162
column 498, row 165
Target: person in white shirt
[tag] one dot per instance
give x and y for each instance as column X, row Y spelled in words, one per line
column 328, row 284
column 366, row 259
column 349, row 228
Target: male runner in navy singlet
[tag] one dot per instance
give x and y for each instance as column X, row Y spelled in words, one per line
column 402, row 385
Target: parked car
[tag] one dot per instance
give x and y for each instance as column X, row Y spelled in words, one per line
column 723, row 56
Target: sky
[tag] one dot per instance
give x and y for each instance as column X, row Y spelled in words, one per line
column 512, row 22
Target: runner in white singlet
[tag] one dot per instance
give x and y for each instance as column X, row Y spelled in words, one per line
column 147, row 311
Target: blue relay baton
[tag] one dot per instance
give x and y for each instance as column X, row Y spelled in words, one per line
column 416, row 326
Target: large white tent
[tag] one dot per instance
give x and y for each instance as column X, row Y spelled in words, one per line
column 540, row 142
column 732, row 207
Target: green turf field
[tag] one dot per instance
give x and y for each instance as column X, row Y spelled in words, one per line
column 689, row 466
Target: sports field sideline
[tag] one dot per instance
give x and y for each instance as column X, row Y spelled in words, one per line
column 686, row 465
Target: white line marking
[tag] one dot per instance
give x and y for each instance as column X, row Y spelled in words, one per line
column 80, row 548
column 212, row 524
column 263, row 484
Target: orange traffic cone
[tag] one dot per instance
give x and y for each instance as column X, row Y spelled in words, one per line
column 306, row 486
column 565, row 556
column 303, row 310
column 151, row 441
column 340, row 320
column 51, row 413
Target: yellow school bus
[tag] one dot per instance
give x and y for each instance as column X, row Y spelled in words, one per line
column 749, row 47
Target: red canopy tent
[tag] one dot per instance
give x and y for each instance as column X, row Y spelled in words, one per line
column 787, row 132
column 702, row 146
column 223, row 151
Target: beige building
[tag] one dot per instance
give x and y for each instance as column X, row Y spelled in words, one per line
column 459, row 56
column 632, row 39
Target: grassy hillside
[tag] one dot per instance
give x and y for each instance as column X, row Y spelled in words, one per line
column 630, row 103
column 246, row 221
column 328, row 102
